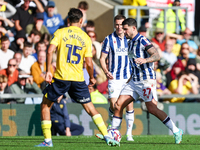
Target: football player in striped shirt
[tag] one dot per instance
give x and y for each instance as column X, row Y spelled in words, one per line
column 142, row 56
column 115, row 48
column 73, row 46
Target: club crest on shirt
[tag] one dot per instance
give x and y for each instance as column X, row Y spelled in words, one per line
column 111, row 91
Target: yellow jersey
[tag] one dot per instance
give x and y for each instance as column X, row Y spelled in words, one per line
column 73, row 45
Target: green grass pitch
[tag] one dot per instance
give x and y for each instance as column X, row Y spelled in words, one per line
column 142, row 142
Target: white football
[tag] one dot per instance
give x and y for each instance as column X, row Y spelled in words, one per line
column 115, row 134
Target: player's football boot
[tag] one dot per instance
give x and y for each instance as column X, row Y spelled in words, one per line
column 178, row 136
column 109, row 126
column 111, row 142
column 100, row 136
column 129, row 138
column 45, row 144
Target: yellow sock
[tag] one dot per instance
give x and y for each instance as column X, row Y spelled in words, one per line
column 46, row 128
column 98, row 120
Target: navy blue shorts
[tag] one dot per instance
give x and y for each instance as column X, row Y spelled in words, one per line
column 78, row 91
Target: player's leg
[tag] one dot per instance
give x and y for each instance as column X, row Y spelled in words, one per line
column 98, row 120
column 46, row 122
column 129, row 121
column 149, row 95
column 111, row 110
column 80, row 93
column 52, row 93
column 152, row 108
column 120, row 104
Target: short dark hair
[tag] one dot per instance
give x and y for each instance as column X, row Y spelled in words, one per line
column 27, row 44
column 74, row 15
column 130, row 22
column 90, row 23
column 119, row 17
column 83, row 5
column 4, row 38
column 35, row 32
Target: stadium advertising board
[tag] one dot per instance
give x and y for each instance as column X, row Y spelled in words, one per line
column 24, row 120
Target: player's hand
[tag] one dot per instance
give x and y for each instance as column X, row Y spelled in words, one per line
column 48, row 77
column 140, row 61
column 109, row 75
column 92, row 82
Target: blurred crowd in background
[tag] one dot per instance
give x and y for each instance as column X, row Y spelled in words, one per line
column 26, row 27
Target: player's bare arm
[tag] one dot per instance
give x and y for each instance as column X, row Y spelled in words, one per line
column 104, row 67
column 49, row 75
column 89, row 67
column 154, row 55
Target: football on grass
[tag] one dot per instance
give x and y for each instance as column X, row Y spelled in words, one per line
column 115, row 134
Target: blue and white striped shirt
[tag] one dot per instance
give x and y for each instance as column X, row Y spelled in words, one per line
column 117, row 50
column 136, row 49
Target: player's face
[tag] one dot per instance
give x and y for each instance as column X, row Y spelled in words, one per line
column 118, row 26
column 128, row 31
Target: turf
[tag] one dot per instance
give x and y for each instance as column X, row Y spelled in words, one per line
column 142, row 142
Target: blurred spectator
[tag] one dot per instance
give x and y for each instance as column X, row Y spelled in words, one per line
column 159, row 38
column 61, row 122
column 25, row 14
column 97, row 45
column 133, row 12
column 192, row 68
column 27, row 60
column 14, row 2
column 5, row 89
column 96, row 96
column 185, row 84
column 18, row 44
column 98, row 72
column 198, row 58
column 185, row 54
column 94, row 54
column 173, row 38
column 5, row 53
column 52, row 20
column 168, row 55
column 161, row 89
column 18, row 57
column 40, row 46
column 171, row 18
column 34, row 37
column 163, row 67
column 25, row 85
column 186, row 38
column 143, row 31
column 46, row 38
column 38, row 24
column 6, row 9
column 11, row 72
column 90, row 26
column 38, row 70
column 177, row 68
column 83, row 7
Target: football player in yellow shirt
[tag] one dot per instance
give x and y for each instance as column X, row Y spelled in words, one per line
column 73, row 46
